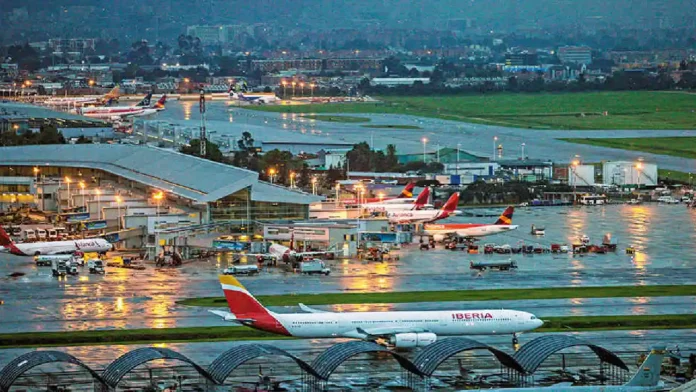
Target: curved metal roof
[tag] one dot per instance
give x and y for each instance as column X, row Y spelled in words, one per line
column 334, row 356
column 24, row 362
column 433, row 355
column 228, row 361
column 122, row 365
column 534, row 353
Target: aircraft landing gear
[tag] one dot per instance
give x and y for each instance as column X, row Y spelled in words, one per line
column 515, row 341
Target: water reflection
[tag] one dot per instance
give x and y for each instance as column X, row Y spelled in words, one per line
column 187, row 105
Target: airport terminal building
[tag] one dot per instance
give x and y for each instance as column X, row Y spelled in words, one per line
column 211, row 191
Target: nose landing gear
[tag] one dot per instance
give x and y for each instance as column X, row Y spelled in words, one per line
column 515, row 341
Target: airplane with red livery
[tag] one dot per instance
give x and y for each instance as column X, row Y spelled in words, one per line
column 472, row 230
column 404, row 204
column 402, row 329
column 99, row 245
column 118, row 112
column 426, row 216
column 406, row 195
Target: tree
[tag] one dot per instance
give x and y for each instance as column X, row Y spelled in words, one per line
column 212, row 150
column 391, row 162
column 49, row 134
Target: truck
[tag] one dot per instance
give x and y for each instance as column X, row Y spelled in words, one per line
column 47, row 260
column 241, row 270
column 310, row 267
column 59, row 267
column 96, row 266
column 499, row 265
column 71, row 267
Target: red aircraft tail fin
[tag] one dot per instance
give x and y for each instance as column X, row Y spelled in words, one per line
column 452, row 203
column 408, row 191
column 422, row 199
column 506, row 217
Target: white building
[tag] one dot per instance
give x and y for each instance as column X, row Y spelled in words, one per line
column 393, row 82
column 581, row 175
column 630, row 173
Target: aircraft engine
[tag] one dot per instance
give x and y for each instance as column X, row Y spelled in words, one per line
column 410, row 340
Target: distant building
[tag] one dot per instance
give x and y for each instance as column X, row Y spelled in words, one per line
column 209, row 35
column 575, row 54
column 512, row 59
column 629, row 173
column 74, row 45
column 393, row 82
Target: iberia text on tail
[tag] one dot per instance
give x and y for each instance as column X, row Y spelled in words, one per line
column 245, row 307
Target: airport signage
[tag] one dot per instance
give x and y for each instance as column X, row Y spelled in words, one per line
column 95, row 225
column 230, row 245
column 112, row 238
column 76, row 217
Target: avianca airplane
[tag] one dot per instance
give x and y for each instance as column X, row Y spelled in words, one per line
column 88, row 100
column 503, row 224
column 406, row 195
column 285, row 254
column 400, row 204
column 401, row 329
column 99, row 245
column 425, row 216
column 116, row 112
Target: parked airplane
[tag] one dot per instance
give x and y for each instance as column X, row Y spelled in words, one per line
column 406, row 194
column 400, row 204
column 401, row 329
column 503, row 224
column 425, row 216
column 119, row 112
column 86, row 100
column 646, row 379
column 99, row 245
column 255, row 98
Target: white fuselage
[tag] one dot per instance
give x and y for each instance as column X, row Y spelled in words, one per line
column 419, row 216
column 63, row 247
column 117, row 111
column 472, row 230
column 441, row 323
column 393, row 205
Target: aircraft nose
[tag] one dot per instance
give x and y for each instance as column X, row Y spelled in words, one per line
column 538, row 323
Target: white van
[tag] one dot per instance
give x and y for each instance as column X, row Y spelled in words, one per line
column 52, row 235
column 41, row 234
column 28, row 235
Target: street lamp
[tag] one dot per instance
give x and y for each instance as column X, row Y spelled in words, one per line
column 294, row 83
column 36, row 173
column 573, row 167
column 82, row 193
column 381, row 196
column 98, row 192
column 157, row 196
column 302, row 89
column 292, row 179
column 311, row 89
column 425, row 142
column 68, row 181
column 522, row 147
column 314, row 185
column 271, row 174
column 285, row 88
column 118, row 204
column 495, row 142
column 639, row 167
column 338, row 192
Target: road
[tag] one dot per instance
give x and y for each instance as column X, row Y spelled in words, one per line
column 224, row 118
column 147, row 299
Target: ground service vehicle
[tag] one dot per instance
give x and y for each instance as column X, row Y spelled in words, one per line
column 499, row 265
column 59, row 268
column 96, row 266
column 47, row 260
column 241, row 270
column 314, row 267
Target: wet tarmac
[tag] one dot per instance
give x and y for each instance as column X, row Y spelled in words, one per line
column 224, row 118
column 146, row 299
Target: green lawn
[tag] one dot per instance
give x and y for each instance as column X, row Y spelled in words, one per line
column 626, row 110
column 458, row 295
column 195, row 334
column 340, row 119
column 399, row 126
column 677, row 146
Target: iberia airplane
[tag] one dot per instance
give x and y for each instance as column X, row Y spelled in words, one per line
column 503, row 224
column 99, row 245
column 401, row 329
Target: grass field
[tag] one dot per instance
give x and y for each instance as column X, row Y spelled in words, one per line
column 626, row 110
column 340, row 119
column 677, row 146
column 400, row 126
column 458, row 295
column 207, row 334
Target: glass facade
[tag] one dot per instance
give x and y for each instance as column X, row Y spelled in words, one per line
column 239, row 206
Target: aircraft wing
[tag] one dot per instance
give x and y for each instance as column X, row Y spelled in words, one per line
column 307, row 309
column 227, row 316
column 390, row 330
column 302, row 254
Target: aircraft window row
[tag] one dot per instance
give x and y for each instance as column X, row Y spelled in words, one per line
column 308, row 322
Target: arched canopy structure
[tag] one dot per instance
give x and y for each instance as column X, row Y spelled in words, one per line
column 228, row 361
column 433, row 355
column 121, row 366
column 24, row 362
column 532, row 354
column 334, row 356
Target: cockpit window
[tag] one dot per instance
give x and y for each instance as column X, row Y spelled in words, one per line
column 533, row 317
